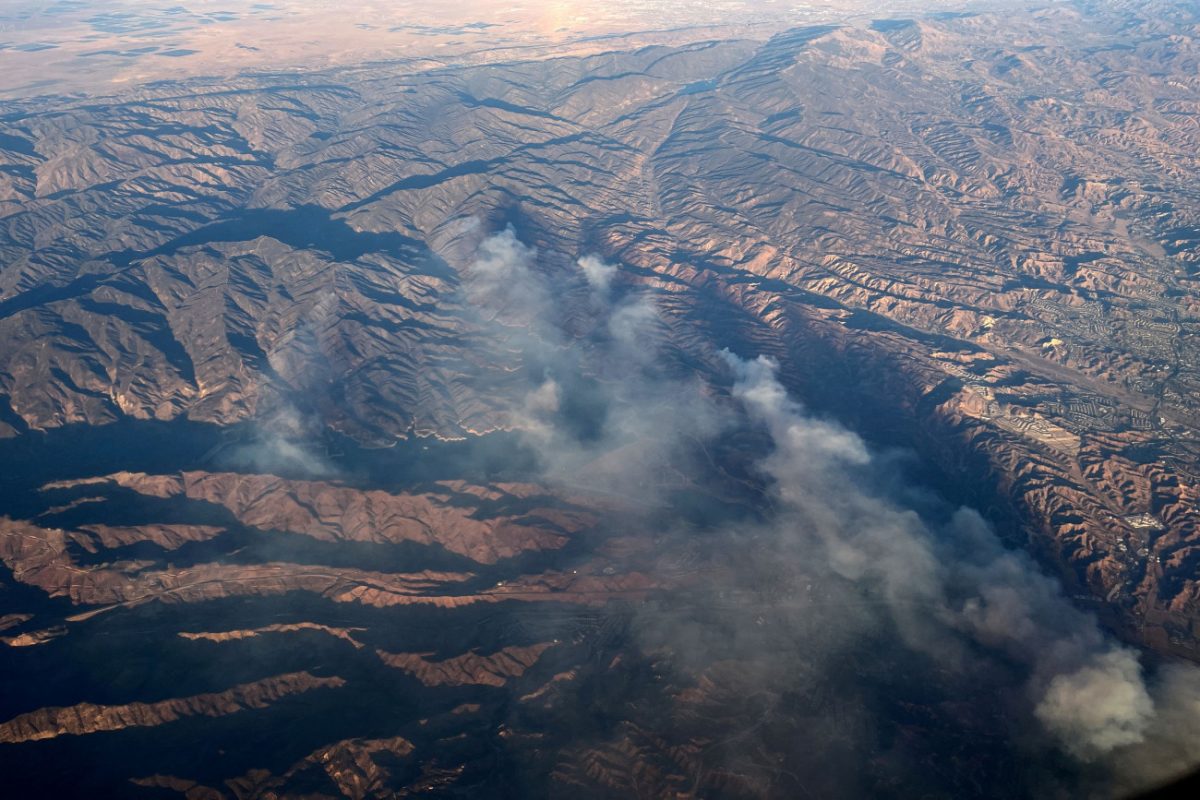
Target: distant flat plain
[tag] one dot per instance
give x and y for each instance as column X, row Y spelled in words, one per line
column 81, row 46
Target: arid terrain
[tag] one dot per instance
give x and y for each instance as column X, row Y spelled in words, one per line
column 73, row 46
column 382, row 425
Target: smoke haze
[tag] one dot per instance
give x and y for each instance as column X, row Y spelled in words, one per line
column 843, row 557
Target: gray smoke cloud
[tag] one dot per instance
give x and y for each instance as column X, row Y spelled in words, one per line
column 1171, row 742
column 599, row 273
column 842, row 556
column 282, row 433
column 281, row 443
column 502, row 281
column 1088, row 691
column 598, row 408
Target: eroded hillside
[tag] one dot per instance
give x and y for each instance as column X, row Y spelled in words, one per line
column 973, row 236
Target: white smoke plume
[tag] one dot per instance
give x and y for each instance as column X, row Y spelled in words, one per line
column 502, row 280
column 599, row 274
column 603, row 411
column 1088, row 691
column 597, row 409
column 281, row 444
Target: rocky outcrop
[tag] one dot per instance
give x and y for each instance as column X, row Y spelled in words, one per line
column 345, row 634
column 41, row 557
column 469, row 669
column 357, row 769
column 328, row 512
column 168, row 537
column 85, row 718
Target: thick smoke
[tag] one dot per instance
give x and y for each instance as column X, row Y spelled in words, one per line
column 843, row 555
column 599, row 273
column 598, row 408
column 1086, row 690
column 1172, row 740
column 503, row 283
column 952, row 582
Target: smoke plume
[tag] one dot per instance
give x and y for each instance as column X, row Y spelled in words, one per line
column 598, row 406
column 1088, row 691
column 841, row 555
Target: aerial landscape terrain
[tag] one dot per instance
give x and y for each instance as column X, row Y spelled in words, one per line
column 639, row 399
